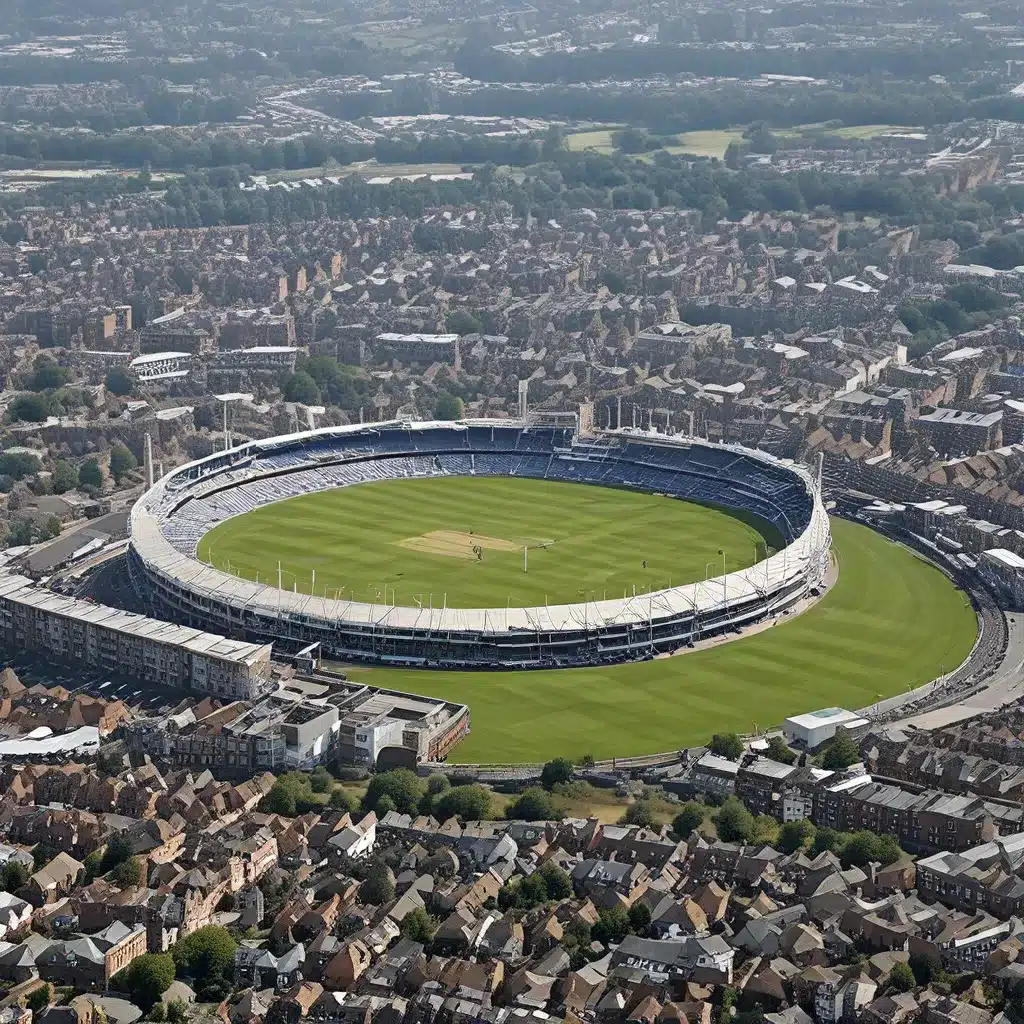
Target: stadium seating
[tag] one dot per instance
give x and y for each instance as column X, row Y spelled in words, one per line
column 192, row 501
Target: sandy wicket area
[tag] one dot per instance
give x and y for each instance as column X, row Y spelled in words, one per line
column 456, row 544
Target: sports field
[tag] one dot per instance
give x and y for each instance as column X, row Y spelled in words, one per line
column 891, row 622
column 460, row 541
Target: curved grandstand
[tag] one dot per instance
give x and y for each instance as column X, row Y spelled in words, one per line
column 170, row 519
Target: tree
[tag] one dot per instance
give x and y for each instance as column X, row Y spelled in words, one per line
column 926, row 969
column 64, row 478
column 31, row 408
column 205, row 956
column 558, row 770
column 404, row 788
column 13, row 876
column 418, row 926
column 378, row 887
column 121, row 462
column 639, row 917
column 467, row 803
column 448, row 407
column 557, row 881
column 90, row 475
column 300, row 387
column 901, row 978
column 795, row 835
column 146, row 978
column 689, row 818
column 533, row 804
column 778, row 751
column 734, row 822
column 638, row 813
column 462, row 322
column 320, row 780
column 177, row 1012
column 765, row 830
column 40, row 998
column 280, row 800
column 840, row 753
column 47, row 374
column 612, row 926
column 339, row 800
column 120, row 381
column 726, row 744
column 128, row 873
column 826, row 840
column 118, row 850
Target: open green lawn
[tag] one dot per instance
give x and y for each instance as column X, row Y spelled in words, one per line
column 599, row 139
column 711, row 143
column 416, row 538
column 891, row 622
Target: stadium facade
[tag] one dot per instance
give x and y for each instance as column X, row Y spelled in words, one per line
column 169, row 520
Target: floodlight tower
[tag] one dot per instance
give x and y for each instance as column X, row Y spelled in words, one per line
column 226, row 400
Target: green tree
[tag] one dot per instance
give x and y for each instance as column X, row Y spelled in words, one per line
column 378, row 887
column 177, row 1012
column 927, row 969
column 612, row 925
column 726, row 744
column 320, row 780
column 122, row 461
column 300, row 387
column 90, row 475
column 128, row 873
column 146, row 978
column 840, row 753
column 901, row 978
column 47, row 374
column 339, row 800
column 418, row 926
column 557, row 881
column 640, row 813
column 735, row 824
column 558, row 770
column 467, row 803
column 118, row 850
column 120, row 381
column 30, row 407
column 13, row 876
column 40, row 998
column 205, row 955
column 826, row 840
column 533, row 804
column 778, row 751
column 279, row 800
column 462, row 322
column 65, row 477
column 688, row 819
column 860, row 849
column 404, row 787
column 448, row 407
column 639, row 917
column 795, row 835
column 765, row 830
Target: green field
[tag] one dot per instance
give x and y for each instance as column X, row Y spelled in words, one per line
column 892, row 621
column 411, row 542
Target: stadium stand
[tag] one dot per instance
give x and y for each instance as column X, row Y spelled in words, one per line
column 171, row 518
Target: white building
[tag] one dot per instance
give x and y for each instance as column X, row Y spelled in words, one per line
column 817, row 727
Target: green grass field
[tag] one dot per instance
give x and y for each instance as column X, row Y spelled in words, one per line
column 891, row 622
column 416, row 538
